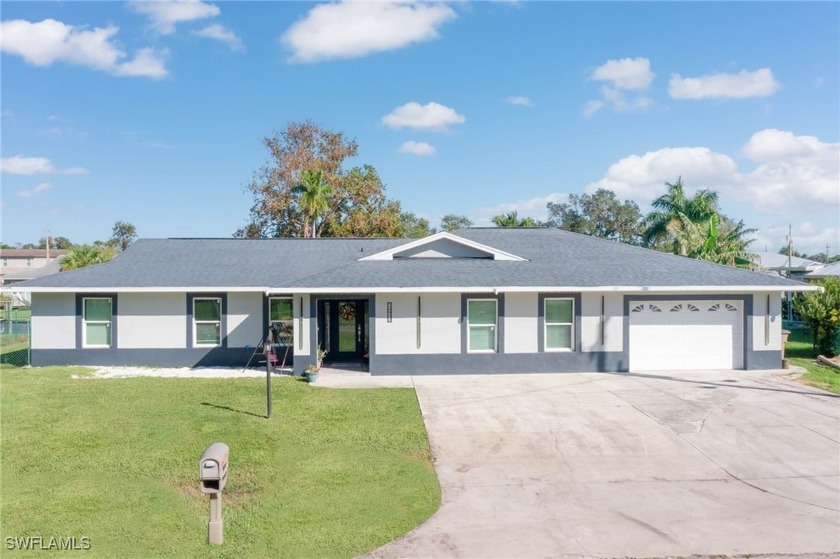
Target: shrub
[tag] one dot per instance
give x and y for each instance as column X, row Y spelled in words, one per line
column 821, row 311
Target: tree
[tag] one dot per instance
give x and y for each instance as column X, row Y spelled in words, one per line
column 671, row 211
column 313, row 199
column 81, row 256
column 61, row 243
column 600, row 215
column 512, row 219
column 718, row 240
column 821, row 310
column 355, row 195
column 123, row 234
column 415, row 227
column 453, row 222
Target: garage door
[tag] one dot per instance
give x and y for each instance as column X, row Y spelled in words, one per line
column 686, row 335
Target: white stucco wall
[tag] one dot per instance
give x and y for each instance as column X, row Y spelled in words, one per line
column 302, row 341
column 440, row 324
column 151, row 320
column 244, row 319
column 521, row 322
column 760, row 324
column 590, row 322
column 53, row 321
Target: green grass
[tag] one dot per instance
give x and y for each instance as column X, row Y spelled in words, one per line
column 335, row 473
column 800, row 350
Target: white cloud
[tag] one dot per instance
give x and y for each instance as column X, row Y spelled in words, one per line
column 519, row 100
column 49, row 41
column 355, row 29
column 44, row 186
column 807, row 237
column 742, row 85
column 627, row 73
column 642, row 177
column 417, row 148
column 22, row 165
column 146, row 63
column 793, row 175
column 531, row 207
column 625, row 76
column 793, row 172
column 591, row 108
column 223, row 34
column 429, row 117
column 166, row 15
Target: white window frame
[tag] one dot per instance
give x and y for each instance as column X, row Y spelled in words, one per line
column 546, row 324
column 85, row 323
column 197, row 322
column 495, row 326
column 291, row 319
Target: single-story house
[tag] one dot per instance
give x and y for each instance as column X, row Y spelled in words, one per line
column 823, row 272
column 480, row 300
column 792, row 267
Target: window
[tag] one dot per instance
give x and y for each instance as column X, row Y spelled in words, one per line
column 280, row 314
column 207, row 321
column 5, row 262
column 559, row 320
column 28, row 261
column 96, row 315
column 481, row 324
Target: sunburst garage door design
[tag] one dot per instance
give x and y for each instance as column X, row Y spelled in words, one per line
column 686, row 335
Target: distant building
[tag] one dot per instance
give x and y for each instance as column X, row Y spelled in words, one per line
column 21, row 264
column 794, row 267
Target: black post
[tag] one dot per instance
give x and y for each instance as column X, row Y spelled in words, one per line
column 267, row 350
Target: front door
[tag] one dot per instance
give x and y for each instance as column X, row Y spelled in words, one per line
column 344, row 329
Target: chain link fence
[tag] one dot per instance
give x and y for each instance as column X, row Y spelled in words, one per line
column 14, row 334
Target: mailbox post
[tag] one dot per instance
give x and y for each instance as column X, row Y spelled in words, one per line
column 212, row 475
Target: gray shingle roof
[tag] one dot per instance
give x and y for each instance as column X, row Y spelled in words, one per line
column 554, row 258
column 217, row 262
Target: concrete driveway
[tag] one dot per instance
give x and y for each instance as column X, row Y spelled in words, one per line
column 629, row 465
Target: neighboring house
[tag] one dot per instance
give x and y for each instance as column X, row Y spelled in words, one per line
column 20, row 264
column 483, row 300
column 827, row 271
column 795, row 267
column 25, row 274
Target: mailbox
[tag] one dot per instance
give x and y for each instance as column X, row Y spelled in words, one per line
column 213, row 468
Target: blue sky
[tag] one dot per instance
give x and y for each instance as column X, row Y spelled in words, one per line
column 153, row 112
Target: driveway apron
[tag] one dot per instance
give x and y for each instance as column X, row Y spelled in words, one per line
column 629, row 465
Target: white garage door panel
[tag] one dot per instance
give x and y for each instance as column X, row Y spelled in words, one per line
column 686, row 335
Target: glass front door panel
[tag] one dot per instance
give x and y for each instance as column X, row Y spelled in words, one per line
column 347, row 327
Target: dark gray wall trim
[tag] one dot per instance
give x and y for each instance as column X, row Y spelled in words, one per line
column 80, row 297
column 752, row 359
column 499, row 363
column 541, row 319
column 190, row 297
column 155, row 357
column 500, row 321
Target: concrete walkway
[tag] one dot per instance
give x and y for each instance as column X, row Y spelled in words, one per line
column 629, row 465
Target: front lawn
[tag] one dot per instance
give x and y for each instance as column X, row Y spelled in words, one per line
column 335, row 473
column 800, row 350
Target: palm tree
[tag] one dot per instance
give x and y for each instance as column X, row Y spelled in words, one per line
column 81, row 256
column 716, row 240
column 512, row 219
column 313, row 201
column 673, row 210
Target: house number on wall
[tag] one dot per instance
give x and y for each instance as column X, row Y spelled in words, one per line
column 389, row 311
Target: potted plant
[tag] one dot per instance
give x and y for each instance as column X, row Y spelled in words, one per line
column 321, row 354
column 311, row 373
